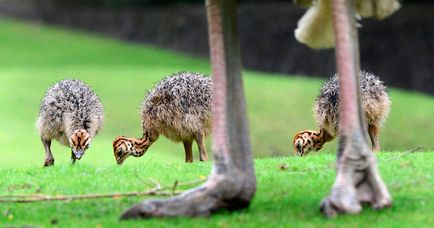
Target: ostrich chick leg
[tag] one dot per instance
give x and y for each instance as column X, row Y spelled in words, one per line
column 357, row 179
column 200, row 140
column 188, row 151
column 49, row 159
column 374, row 135
column 232, row 182
column 73, row 158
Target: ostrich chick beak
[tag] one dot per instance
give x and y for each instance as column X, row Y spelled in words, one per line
column 120, row 160
column 78, row 154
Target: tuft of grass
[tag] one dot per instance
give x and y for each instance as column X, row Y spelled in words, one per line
column 284, row 197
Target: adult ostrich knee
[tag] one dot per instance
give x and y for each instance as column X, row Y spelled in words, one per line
column 232, row 182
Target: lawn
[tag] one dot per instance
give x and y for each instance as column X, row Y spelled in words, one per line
column 33, row 57
column 288, row 197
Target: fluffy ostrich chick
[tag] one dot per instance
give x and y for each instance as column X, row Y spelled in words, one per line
column 179, row 107
column 375, row 103
column 72, row 114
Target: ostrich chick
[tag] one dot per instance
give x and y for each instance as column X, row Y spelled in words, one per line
column 375, row 103
column 179, row 107
column 72, row 114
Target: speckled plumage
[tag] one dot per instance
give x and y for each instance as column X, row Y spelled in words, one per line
column 179, row 106
column 68, row 106
column 374, row 98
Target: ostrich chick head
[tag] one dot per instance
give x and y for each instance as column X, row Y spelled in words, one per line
column 123, row 147
column 79, row 142
column 306, row 141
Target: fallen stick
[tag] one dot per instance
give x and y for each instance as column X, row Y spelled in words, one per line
column 157, row 190
column 405, row 153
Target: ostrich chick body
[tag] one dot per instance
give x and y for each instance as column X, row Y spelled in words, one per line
column 179, row 107
column 375, row 103
column 72, row 114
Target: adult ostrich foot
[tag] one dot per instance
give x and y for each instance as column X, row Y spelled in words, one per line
column 230, row 192
column 358, row 181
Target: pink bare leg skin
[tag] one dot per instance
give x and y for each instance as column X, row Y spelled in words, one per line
column 232, row 182
column 357, row 179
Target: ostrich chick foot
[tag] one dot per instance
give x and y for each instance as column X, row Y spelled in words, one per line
column 49, row 162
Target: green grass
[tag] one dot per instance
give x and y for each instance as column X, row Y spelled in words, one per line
column 33, row 57
column 287, row 197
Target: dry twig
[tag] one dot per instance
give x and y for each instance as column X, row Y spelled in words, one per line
column 405, row 153
column 157, row 190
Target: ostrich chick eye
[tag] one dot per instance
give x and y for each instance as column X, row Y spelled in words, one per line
column 298, row 146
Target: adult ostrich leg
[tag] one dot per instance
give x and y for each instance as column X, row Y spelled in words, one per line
column 358, row 179
column 232, row 182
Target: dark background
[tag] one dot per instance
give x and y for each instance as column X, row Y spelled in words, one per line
column 150, row 3
column 400, row 49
